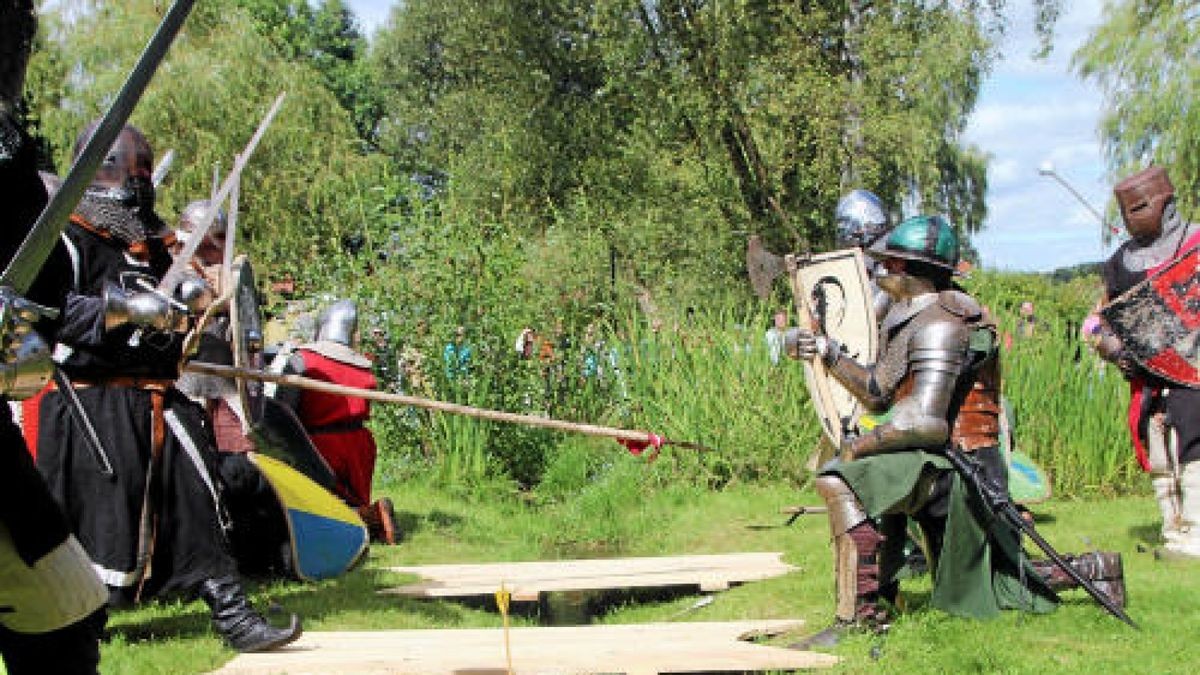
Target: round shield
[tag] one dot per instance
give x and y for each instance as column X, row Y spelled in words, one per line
column 246, row 334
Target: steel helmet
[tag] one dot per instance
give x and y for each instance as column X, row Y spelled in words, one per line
column 338, row 323
column 927, row 239
column 860, row 218
column 1143, row 197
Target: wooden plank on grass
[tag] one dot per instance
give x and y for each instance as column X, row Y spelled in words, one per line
column 633, row 648
column 526, row 580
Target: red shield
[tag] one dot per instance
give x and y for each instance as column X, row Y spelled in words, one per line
column 1158, row 320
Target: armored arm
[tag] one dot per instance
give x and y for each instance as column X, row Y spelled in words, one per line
column 1107, row 345
column 937, row 355
column 152, row 309
column 858, row 379
column 293, row 364
column 25, row 366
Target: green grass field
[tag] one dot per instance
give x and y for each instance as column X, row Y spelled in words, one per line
column 447, row 527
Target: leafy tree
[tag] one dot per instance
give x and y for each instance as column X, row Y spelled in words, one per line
column 1144, row 58
column 306, row 186
column 672, row 129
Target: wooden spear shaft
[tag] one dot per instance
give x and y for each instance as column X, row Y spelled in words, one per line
column 301, row 382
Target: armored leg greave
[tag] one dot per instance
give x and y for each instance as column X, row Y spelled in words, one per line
column 1102, row 568
column 236, row 621
column 856, row 562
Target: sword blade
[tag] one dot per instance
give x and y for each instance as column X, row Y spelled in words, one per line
column 183, row 261
column 1003, row 508
column 163, row 168
column 24, row 266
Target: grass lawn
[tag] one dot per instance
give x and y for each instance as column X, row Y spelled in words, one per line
column 1080, row 637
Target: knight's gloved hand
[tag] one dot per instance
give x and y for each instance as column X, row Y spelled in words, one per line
column 848, row 451
column 148, row 309
column 195, row 293
column 801, row 343
column 1126, row 364
column 25, row 364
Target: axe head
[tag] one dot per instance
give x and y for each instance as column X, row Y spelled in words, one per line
column 764, row 267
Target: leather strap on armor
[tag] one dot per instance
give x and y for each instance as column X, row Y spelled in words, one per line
column 978, row 422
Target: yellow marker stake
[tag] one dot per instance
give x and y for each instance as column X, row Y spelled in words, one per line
column 502, row 598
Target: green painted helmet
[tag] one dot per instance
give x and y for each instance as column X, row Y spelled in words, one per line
column 928, row 239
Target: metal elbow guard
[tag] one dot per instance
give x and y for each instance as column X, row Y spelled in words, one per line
column 147, row 309
column 195, row 293
column 27, row 367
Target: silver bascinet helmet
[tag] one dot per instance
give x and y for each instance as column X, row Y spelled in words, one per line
column 194, row 213
column 860, row 218
column 338, row 323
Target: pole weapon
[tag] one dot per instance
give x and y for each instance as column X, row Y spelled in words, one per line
column 635, row 441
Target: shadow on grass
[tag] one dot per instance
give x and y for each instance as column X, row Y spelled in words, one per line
column 1150, row 533
column 355, row 592
column 577, row 608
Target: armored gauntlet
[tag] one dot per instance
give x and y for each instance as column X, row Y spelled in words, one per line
column 26, row 359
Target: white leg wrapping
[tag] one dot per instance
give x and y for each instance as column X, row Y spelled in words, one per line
column 1188, row 543
column 1164, row 476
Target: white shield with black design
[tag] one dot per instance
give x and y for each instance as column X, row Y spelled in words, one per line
column 833, row 291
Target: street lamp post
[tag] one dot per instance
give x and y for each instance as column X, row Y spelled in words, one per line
column 1047, row 169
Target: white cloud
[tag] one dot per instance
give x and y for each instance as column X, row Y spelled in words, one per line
column 1030, row 112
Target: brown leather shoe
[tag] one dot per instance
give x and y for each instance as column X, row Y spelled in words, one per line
column 380, row 518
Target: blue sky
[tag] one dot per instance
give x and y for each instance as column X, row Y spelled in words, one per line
column 1029, row 112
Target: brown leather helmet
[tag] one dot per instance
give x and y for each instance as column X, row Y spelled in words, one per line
column 1142, row 198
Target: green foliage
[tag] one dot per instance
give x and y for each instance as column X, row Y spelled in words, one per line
column 306, row 186
column 1069, row 405
column 673, row 129
column 1143, row 56
column 443, row 527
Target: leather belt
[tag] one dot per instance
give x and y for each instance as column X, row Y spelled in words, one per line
column 337, row 427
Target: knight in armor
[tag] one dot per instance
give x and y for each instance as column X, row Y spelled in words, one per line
column 336, row 423
column 218, row 395
column 1166, row 416
column 51, row 601
column 935, row 382
column 861, row 220
column 127, row 455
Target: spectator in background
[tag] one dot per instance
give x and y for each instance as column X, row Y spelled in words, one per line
column 774, row 336
column 525, row 342
column 1027, row 322
column 457, row 356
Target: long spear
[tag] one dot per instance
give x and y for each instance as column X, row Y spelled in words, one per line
column 635, row 441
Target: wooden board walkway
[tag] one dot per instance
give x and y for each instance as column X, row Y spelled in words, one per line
column 636, row 649
column 527, row 580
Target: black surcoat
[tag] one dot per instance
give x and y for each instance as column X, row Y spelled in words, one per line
column 155, row 524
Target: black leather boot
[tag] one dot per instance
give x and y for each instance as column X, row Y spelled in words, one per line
column 236, row 621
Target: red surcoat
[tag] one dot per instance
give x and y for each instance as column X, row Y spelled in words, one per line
column 336, row 424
